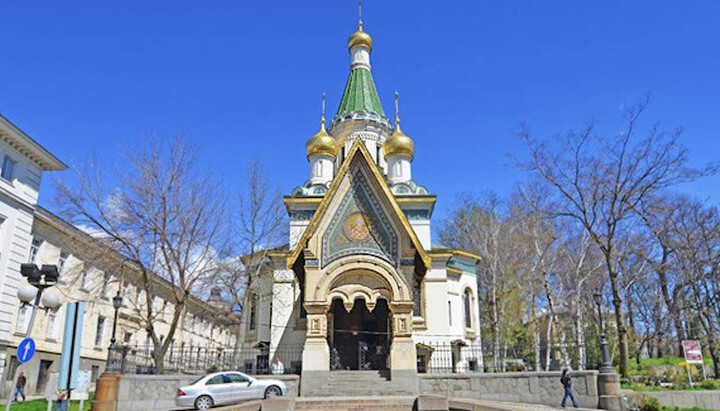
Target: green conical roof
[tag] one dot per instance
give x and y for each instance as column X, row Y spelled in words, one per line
column 360, row 94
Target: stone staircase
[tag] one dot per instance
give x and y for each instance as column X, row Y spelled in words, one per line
column 360, row 384
column 390, row 403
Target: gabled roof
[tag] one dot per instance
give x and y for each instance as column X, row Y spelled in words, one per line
column 358, row 149
column 26, row 145
column 360, row 94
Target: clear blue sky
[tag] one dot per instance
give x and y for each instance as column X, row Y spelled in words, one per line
column 243, row 78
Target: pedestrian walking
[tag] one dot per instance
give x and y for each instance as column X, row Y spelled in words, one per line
column 61, row 403
column 277, row 366
column 566, row 381
column 20, row 387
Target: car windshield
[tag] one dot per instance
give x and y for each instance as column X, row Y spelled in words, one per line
column 198, row 380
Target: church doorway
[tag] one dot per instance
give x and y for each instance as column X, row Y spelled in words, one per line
column 360, row 339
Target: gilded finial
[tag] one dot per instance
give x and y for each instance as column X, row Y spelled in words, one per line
column 322, row 142
column 398, row 142
column 322, row 117
column 360, row 15
column 397, row 108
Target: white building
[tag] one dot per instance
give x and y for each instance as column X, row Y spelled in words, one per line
column 23, row 162
column 89, row 272
column 360, row 285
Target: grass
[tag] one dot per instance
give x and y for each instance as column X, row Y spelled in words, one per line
column 636, row 369
column 41, row 405
column 686, row 409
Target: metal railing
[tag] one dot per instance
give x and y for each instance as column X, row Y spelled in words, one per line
column 460, row 357
column 138, row 359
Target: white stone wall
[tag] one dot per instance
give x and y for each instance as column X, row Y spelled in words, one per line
column 84, row 278
column 18, row 197
column 322, row 169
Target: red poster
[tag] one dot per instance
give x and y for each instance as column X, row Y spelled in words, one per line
column 693, row 353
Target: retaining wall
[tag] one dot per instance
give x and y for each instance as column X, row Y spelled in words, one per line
column 157, row 392
column 684, row 399
column 521, row 387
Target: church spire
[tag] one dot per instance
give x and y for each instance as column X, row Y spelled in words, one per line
column 360, row 94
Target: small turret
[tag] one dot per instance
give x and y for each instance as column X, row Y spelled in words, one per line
column 398, row 151
column 321, row 150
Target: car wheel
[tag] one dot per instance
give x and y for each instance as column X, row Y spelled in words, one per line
column 273, row 391
column 203, row 402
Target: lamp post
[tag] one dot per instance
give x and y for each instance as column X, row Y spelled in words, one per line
column 111, row 358
column 606, row 365
column 32, row 295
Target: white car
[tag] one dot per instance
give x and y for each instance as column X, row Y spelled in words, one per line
column 226, row 387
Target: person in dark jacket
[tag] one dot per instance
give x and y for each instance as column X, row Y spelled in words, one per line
column 20, row 387
column 566, row 381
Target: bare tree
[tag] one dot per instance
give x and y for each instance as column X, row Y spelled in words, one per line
column 259, row 226
column 165, row 218
column 659, row 215
column 600, row 181
column 698, row 256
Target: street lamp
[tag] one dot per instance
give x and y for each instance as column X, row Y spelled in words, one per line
column 32, row 295
column 117, row 302
column 606, row 365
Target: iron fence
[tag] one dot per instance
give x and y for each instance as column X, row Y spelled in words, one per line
column 138, row 359
column 461, row 357
column 432, row 358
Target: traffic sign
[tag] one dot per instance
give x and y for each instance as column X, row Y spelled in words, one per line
column 25, row 350
column 693, row 353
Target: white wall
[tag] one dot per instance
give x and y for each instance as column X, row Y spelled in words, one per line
column 17, row 201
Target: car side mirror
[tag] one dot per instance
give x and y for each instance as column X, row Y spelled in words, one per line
column 250, row 382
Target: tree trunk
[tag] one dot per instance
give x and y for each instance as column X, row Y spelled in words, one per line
column 672, row 309
column 619, row 322
column 548, row 343
column 536, row 337
column 580, row 337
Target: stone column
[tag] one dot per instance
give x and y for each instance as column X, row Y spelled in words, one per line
column 609, row 391
column 403, row 355
column 316, row 353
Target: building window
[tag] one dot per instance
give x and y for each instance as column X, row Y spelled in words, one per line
column 126, row 289
column 468, row 309
column 140, row 299
column 84, row 278
column 127, row 338
column 22, row 319
column 417, row 299
column 8, row 168
column 51, row 332
column 34, row 249
column 163, row 313
column 99, row 331
column 450, row 312
column 253, row 311
column 106, row 285
column 61, row 262
column 14, row 364
column 94, row 372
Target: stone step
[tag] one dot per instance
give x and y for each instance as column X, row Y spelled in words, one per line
column 357, row 403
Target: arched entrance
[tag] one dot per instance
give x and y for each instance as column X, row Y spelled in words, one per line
column 359, row 339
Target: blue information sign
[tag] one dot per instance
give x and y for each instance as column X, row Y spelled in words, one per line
column 26, row 350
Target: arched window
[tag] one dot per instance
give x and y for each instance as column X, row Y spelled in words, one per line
column 253, row 311
column 417, row 299
column 468, row 309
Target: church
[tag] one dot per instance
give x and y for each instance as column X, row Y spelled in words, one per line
column 360, row 286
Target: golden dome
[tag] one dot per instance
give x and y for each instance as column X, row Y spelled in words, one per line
column 360, row 38
column 322, row 143
column 398, row 143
